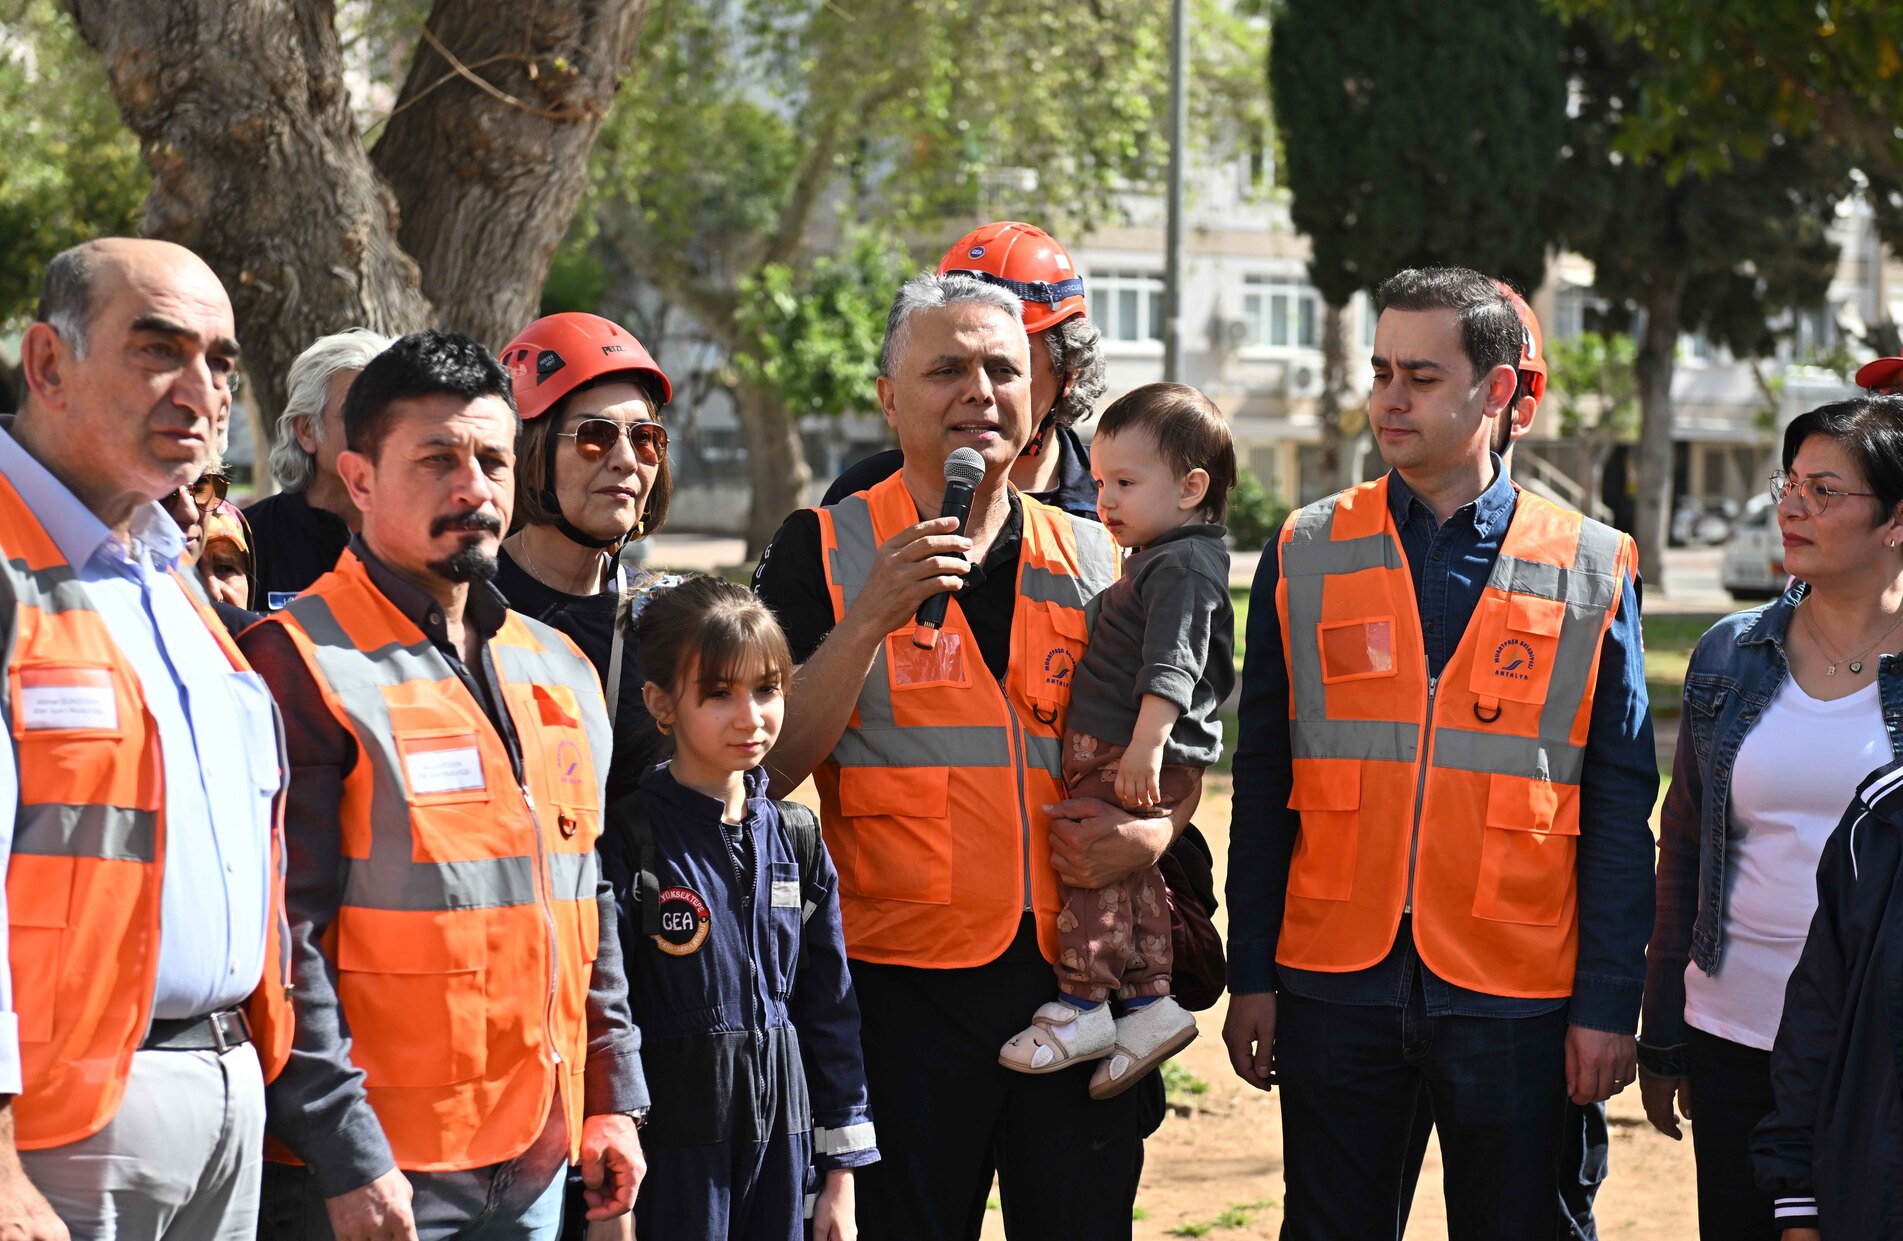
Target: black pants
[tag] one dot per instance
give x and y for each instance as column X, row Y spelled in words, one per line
column 1584, row 1148
column 1731, row 1093
column 949, row 1116
column 1353, row 1079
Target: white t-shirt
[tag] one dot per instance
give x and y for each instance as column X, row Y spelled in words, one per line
column 1796, row 771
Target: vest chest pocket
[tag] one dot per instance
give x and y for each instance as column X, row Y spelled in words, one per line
column 1361, row 649
column 413, row 988
column 900, row 820
column 1517, row 638
column 73, row 724
column 1527, row 853
column 1327, row 793
column 910, row 667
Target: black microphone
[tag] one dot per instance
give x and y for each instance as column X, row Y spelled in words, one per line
column 964, row 470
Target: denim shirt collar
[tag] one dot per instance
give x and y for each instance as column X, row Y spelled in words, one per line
column 1490, row 513
column 1774, row 622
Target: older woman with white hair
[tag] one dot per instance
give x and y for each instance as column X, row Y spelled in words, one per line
column 300, row 532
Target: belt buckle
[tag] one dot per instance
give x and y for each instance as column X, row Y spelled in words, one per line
column 241, row 1034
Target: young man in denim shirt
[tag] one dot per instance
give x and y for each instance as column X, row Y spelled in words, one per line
column 1465, row 933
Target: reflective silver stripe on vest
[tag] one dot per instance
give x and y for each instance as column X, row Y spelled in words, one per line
column 852, row 560
column 1311, row 552
column 53, row 589
column 1532, row 757
column 1047, row 753
column 941, row 745
column 1097, row 555
column 390, row 878
column 1041, row 585
column 1387, row 741
column 109, row 832
column 573, row 876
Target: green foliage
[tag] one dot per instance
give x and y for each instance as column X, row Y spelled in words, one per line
column 1255, row 515
column 1178, row 1081
column 1241, row 1215
column 1591, row 381
column 72, row 172
column 1747, row 243
column 812, row 336
column 746, row 122
column 1419, row 134
column 1730, row 82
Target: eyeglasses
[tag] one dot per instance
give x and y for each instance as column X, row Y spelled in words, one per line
column 1813, row 495
column 209, row 491
column 595, row 438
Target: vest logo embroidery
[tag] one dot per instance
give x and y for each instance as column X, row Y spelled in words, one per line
column 568, row 766
column 1513, row 659
column 683, row 922
column 1058, row 666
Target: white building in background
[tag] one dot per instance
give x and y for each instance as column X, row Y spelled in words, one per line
column 1252, row 340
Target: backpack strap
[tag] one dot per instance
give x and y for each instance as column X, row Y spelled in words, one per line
column 802, row 826
column 647, row 863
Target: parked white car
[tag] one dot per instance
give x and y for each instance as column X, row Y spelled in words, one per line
column 1753, row 564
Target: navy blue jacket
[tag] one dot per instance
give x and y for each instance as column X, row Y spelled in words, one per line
column 750, row 1026
column 1736, row 670
column 1830, row 1154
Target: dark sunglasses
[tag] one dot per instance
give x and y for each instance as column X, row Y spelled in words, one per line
column 595, row 438
column 209, row 491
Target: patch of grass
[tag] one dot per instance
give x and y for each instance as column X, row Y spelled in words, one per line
column 1239, row 599
column 1178, row 1080
column 1237, row 1216
column 1138, row 1213
column 991, row 1203
column 1668, row 651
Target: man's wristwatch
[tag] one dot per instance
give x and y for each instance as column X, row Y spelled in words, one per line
column 639, row 1116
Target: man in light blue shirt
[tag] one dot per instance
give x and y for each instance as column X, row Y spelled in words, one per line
column 126, row 369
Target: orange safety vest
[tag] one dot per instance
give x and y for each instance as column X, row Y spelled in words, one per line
column 468, row 924
column 933, row 797
column 87, row 866
column 1455, row 798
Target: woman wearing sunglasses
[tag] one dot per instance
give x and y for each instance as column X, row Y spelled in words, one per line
column 1788, row 707
column 590, row 476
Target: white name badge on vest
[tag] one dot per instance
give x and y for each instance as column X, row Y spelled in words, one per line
column 436, row 765
column 67, row 698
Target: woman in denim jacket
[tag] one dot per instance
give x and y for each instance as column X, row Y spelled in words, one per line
column 1787, row 708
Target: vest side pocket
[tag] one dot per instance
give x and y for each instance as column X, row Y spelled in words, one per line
column 412, row 990
column 1527, row 853
column 39, row 894
column 900, row 824
column 1327, row 793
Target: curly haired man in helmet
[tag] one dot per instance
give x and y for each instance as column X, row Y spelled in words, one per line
column 1067, row 369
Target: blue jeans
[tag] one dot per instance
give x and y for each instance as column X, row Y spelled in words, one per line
column 520, row 1200
column 1354, row 1080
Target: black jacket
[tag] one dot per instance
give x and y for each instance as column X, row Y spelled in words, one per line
column 1831, row 1153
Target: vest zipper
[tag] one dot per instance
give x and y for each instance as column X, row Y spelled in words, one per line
column 1420, row 794
column 1024, row 806
column 546, row 892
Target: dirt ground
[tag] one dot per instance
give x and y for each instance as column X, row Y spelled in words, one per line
column 1215, row 1167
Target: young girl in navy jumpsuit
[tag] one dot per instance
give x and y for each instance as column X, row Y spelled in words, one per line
column 750, row 1030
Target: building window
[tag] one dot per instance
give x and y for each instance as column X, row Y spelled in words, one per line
column 1282, row 313
column 1130, row 303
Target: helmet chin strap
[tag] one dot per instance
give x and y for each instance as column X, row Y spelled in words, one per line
column 1035, row 447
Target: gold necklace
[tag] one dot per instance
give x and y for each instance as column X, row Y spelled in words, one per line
column 1855, row 661
column 535, row 570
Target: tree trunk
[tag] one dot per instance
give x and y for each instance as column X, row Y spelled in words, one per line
column 244, row 120
column 1335, row 462
column 1657, row 360
column 776, row 464
column 485, row 187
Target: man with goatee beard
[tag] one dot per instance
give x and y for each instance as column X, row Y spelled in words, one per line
column 463, row 1030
